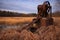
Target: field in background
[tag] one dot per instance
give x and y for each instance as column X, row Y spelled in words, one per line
column 19, row 20
column 14, row 20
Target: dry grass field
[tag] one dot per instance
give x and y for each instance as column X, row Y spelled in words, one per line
column 57, row 20
column 15, row 20
column 15, row 34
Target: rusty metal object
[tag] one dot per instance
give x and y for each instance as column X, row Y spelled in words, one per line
column 43, row 17
column 44, row 9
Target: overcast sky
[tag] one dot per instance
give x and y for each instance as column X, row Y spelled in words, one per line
column 27, row 6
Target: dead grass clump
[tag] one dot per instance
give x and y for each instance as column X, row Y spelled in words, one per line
column 42, row 34
column 27, row 35
column 10, row 35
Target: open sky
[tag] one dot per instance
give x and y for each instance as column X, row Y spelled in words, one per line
column 27, row 6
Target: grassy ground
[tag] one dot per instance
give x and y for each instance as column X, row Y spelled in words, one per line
column 15, row 20
column 16, row 34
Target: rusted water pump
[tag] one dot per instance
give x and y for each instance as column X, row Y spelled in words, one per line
column 45, row 14
column 44, row 17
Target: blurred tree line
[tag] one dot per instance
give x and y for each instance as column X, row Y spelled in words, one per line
column 56, row 14
column 15, row 14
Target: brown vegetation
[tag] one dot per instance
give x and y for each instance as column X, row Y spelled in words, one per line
column 15, row 20
column 43, row 33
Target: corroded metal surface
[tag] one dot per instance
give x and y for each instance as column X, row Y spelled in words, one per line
column 43, row 17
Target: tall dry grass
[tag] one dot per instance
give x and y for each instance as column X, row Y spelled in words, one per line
column 53, row 33
column 15, row 20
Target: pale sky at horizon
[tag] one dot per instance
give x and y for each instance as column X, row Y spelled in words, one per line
column 27, row 6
